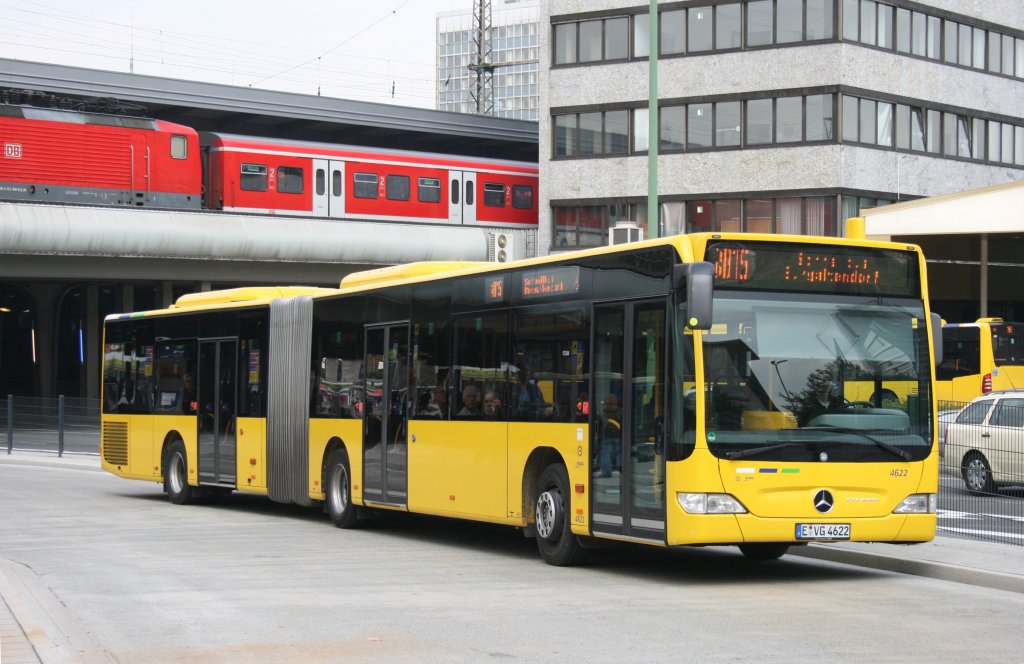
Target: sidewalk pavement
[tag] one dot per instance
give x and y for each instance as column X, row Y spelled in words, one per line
column 984, row 564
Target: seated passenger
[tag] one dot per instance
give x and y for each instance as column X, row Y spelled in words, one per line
column 470, row 402
column 492, row 405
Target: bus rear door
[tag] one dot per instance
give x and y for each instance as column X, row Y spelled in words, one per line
column 627, row 463
column 328, row 188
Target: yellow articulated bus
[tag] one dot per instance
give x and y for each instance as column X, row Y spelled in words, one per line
column 680, row 391
column 978, row 358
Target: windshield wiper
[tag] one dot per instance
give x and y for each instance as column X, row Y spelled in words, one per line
column 903, row 454
column 743, row 454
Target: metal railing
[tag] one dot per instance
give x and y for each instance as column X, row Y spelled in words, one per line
column 60, row 425
column 981, row 470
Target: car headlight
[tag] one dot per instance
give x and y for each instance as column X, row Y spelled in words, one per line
column 710, row 503
column 918, row 503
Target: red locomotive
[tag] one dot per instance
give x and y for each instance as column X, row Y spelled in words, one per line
column 59, row 156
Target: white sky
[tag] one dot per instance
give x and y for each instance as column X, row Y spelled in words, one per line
column 346, row 49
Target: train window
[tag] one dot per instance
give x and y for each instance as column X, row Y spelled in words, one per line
column 364, row 185
column 469, row 192
column 429, row 190
column 494, row 194
column 179, row 147
column 289, row 180
column 455, row 192
column 398, row 187
column 522, row 197
column 254, row 177
column 335, row 182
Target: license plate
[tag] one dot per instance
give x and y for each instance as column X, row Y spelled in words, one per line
column 823, row 531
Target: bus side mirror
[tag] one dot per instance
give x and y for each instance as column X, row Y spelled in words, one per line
column 937, row 338
column 699, row 293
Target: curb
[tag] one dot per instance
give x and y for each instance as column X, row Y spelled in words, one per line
column 972, row 576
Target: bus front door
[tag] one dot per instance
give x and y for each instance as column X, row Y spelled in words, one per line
column 216, row 411
column 385, row 453
column 626, row 425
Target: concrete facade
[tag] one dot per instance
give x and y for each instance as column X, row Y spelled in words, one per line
column 832, row 168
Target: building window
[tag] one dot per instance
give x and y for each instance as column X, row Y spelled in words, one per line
column 727, row 124
column 698, row 33
column 759, row 122
column 672, row 32
column 789, row 119
column 565, row 136
column 698, row 126
column 819, row 117
column 565, row 43
column 289, row 180
column 728, row 32
column 759, row 23
column 672, row 127
column 790, row 21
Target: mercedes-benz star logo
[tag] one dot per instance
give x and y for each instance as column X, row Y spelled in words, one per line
column 823, row 501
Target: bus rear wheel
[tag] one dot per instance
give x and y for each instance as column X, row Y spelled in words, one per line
column 338, row 487
column 555, row 540
column 176, row 475
column 761, row 551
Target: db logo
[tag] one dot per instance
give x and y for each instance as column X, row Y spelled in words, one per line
column 12, row 151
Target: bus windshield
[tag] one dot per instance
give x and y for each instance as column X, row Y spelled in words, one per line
column 826, row 378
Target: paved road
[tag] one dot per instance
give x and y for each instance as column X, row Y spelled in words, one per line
column 106, row 569
column 994, row 518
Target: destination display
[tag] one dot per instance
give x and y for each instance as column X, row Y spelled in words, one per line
column 814, row 268
column 549, row 282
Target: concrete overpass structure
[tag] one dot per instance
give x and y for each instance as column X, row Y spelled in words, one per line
column 63, row 268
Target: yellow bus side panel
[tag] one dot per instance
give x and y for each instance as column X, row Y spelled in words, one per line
column 459, row 468
column 251, row 457
column 350, row 433
column 140, row 447
column 699, row 473
column 570, row 441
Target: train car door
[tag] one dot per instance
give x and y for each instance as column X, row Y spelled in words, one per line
column 216, row 399
column 385, row 411
column 139, row 185
column 328, row 188
column 630, row 356
column 462, row 197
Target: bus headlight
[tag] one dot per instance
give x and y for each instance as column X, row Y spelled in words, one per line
column 918, row 503
column 710, row 503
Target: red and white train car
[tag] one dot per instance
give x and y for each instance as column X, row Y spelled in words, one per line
column 271, row 176
column 57, row 156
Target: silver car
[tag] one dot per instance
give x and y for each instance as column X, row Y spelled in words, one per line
column 987, row 438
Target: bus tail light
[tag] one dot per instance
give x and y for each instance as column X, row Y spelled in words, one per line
column 918, row 503
column 710, row 503
column 986, row 384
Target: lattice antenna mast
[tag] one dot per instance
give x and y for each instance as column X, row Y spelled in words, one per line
column 482, row 90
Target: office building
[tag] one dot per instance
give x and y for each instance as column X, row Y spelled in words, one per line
column 775, row 116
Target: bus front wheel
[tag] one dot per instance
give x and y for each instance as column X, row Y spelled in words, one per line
column 555, row 540
column 339, row 491
column 176, row 475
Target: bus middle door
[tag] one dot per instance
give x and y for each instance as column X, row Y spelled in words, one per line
column 216, row 399
column 627, row 466
column 385, row 414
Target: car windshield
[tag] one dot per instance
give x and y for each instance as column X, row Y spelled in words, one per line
column 822, row 378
